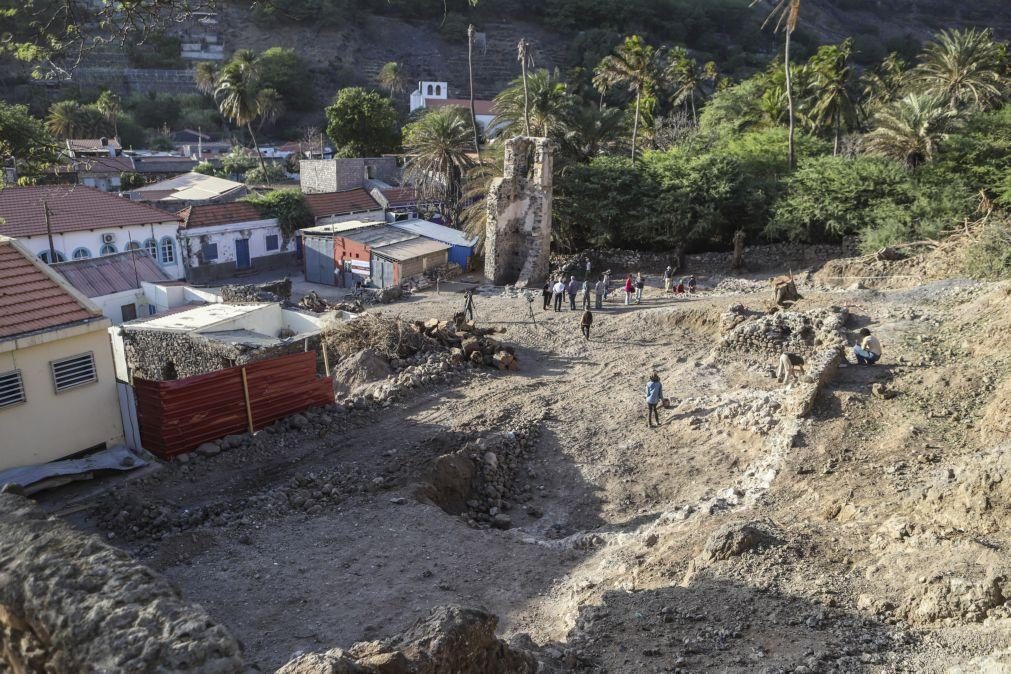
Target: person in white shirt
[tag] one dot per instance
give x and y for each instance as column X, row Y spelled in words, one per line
column 559, row 291
column 868, row 351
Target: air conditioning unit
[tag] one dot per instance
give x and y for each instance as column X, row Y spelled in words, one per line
column 109, row 238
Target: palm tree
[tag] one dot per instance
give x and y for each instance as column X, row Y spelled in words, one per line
column 241, row 100
column 786, row 14
column 271, row 105
column 110, row 107
column 910, row 129
column 205, row 75
column 64, row 118
column 437, row 147
column 633, row 66
column 590, row 131
column 833, row 107
column 885, row 83
column 963, row 67
column 685, row 76
column 542, row 101
column 470, row 72
column 525, row 58
column 393, row 78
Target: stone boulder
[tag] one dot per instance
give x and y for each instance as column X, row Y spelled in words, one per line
column 450, row 640
column 71, row 603
column 734, row 539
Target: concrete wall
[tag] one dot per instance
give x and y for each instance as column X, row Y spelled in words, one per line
column 199, row 270
column 68, row 242
column 112, row 305
column 366, row 216
column 50, row 425
column 338, row 175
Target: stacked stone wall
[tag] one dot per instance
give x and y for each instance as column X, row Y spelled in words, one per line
column 71, row 603
column 338, row 175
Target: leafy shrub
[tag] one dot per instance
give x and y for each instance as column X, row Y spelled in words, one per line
column 288, row 206
column 989, row 256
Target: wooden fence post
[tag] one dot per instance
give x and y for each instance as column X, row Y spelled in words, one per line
column 326, row 359
column 249, row 407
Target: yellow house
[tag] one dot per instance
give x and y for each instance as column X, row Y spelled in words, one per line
column 57, row 386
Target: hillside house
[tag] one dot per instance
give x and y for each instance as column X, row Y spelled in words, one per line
column 334, row 207
column 93, row 147
column 83, row 222
column 58, row 391
column 103, row 173
column 218, row 240
column 434, row 95
column 115, row 282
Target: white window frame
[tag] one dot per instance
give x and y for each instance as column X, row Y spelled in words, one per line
column 107, row 249
column 6, row 387
column 53, row 365
column 81, row 249
column 151, row 248
column 167, row 244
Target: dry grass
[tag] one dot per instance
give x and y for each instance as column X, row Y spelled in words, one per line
column 389, row 337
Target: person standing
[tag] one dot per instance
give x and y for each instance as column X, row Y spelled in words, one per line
column 585, row 322
column 598, row 295
column 587, row 269
column 546, row 292
column 586, row 293
column 868, row 351
column 640, row 283
column 668, row 280
column 654, row 396
column 559, row 292
column 629, row 289
column 468, row 307
column 691, row 284
column 573, row 291
column 607, row 283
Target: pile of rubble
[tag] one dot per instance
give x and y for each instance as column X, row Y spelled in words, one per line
column 449, row 639
column 737, row 286
column 274, row 291
column 318, row 305
column 482, row 482
column 782, row 331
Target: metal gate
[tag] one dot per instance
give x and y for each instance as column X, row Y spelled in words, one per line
column 382, row 272
column 319, row 264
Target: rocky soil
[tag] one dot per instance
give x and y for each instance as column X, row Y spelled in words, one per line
column 864, row 531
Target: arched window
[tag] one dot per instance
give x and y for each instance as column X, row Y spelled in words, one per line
column 44, row 256
column 81, row 254
column 133, row 245
column 168, row 250
column 107, row 249
column 429, row 89
column 151, row 248
column 438, row 90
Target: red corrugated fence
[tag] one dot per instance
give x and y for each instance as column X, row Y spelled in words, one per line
column 177, row 416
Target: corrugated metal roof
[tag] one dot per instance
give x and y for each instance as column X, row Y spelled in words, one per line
column 110, row 274
column 383, row 235
column 30, row 299
column 189, row 187
column 338, row 227
column 431, row 230
column 408, row 250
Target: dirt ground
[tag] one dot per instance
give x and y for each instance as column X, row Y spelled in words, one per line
column 888, row 517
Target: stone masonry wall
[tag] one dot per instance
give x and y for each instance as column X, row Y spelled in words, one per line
column 71, row 603
column 338, row 175
column 772, row 256
column 518, row 234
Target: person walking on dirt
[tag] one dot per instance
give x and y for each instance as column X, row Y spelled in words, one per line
column 573, row 291
column 468, row 306
column 598, row 295
column 654, row 396
column 586, row 293
column 868, row 351
column 629, row 289
column 546, row 292
column 585, row 322
column 559, row 292
column 668, row 280
column 640, row 284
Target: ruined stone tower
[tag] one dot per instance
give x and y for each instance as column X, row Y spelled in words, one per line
column 518, row 236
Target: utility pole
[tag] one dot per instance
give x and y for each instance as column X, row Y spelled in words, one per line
column 49, row 232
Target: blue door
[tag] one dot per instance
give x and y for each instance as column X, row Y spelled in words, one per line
column 242, row 253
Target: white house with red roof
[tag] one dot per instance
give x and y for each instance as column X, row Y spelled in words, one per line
column 58, row 391
column 433, row 95
column 73, row 222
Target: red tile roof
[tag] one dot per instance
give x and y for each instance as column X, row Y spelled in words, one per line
column 30, row 300
column 101, row 165
column 480, row 107
column 401, row 196
column 110, row 274
column 208, row 215
column 340, row 203
column 72, row 209
column 93, row 144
